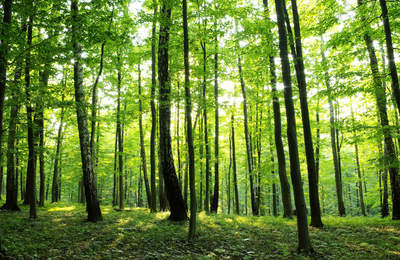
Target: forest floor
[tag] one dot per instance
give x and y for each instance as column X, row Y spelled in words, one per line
column 60, row 232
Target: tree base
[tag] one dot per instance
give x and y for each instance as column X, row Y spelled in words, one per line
column 9, row 207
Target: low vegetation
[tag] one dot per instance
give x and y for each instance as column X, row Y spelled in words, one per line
column 60, row 232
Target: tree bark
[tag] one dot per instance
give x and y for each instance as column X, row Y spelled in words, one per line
column 142, row 148
column 174, row 194
column 4, row 49
column 297, row 54
column 115, row 183
column 44, row 83
column 120, row 144
column 189, row 129
column 55, row 185
column 208, row 171
column 153, row 115
column 390, row 53
column 284, row 183
column 93, row 207
column 31, row 168
column 234, row 169
column 304, row 243
column 214, row 203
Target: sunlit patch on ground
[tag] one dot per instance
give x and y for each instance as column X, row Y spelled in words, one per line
column 70, row 208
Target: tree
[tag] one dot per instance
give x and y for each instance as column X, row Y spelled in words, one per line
column 390, row 53
column 297, row 52
column 285, row 186
column 188, row 120
column 304, row 243
column 142, row 149
column 93, row 207
column 119, row 134
column 153, row 206
column 55, row 190
column 173, row 191
column 214, row 202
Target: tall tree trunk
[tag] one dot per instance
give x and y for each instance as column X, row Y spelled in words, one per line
column 254, row 206
column 336, row 163
column 115, row 183
column 12, row 143
column 189, row 129
column 44, row 82
column 174, row 194
column 284, row 183
column 228, row 193
column 31, row 168
column 390, row 155
column 142, row 148
column 12, row 186
column 201, row 156
column 390, row 53
column 297, row 54
column 153, row 206
column 385, row 202
column 4, row 49
column 214, row 203
column 92, row 203
column 234, row 171
column 120, row 144
column 304, row 243
column 55, row 184
column 318, row 141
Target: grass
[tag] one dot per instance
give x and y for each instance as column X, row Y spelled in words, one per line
column 60, row 232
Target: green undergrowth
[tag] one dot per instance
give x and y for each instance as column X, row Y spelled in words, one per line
column 60, row 232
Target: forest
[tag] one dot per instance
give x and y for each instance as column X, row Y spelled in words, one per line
column 199, row 129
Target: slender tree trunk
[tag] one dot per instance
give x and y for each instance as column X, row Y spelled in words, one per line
column 12, row 186
column 115, row 183
column 4, row 49
column 201, row 155
column 55, row 186
column 297, row 54
column 44, row 79
column 153, row 115
column 92, row 204
column 228, row 194
column 31, row 168
column 304, row 243
column 12, row 143
column 390, row 53
column 336, row 163
column 318, row 141
column 234, row 171
column 214, row 203
column 385, row 202
column 284, row 183
column 174, row 194
column 189, row 129
column 142, row 148
column 120, row 144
